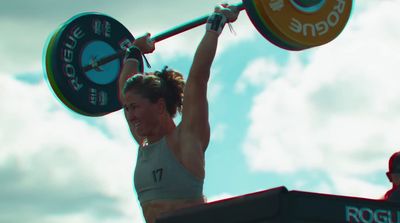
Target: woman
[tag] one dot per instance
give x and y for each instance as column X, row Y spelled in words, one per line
column 169, row 172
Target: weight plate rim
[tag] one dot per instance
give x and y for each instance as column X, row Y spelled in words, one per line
column 345, row 16
column 265, row 29
column 275, row 30
column 52, row 80
column 86, row 109
column 49, row 73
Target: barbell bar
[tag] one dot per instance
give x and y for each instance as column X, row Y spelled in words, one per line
column 84, row 55
column 158, row 37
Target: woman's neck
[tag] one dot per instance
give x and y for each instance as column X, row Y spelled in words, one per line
column 164, row 129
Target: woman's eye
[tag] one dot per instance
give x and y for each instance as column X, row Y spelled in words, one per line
column 130, row 107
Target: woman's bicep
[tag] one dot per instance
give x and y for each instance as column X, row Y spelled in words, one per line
column 195, row 117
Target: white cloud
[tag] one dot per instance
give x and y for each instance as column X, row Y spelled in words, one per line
column 258, row 73
column 218, row 133
column 219, row 197
column 344, row 185
column 339, row 112
column 350, row 186
column 214, row 91
column 50, row 157
column 59, row 161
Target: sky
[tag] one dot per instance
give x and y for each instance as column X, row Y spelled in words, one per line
column 322, row 120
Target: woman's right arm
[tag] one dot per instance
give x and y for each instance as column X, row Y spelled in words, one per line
column 131, row 67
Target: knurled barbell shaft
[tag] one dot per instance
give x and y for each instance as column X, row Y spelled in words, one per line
column 186, row 26
column 157, row 38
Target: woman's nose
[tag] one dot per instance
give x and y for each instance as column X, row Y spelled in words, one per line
column 130, row 116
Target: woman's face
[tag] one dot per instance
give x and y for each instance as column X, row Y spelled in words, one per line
column 142, row 115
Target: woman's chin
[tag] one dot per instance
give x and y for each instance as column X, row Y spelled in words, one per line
column 140, row 132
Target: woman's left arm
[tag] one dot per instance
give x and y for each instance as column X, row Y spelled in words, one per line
column 195, row 123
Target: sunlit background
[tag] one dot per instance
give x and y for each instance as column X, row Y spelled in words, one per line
column 323, row 120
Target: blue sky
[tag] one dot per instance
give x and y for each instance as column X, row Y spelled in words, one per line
column 323, row 120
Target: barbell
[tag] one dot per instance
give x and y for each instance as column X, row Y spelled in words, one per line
column 83, row 57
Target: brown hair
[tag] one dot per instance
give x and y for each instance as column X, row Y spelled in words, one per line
column 167, row 84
